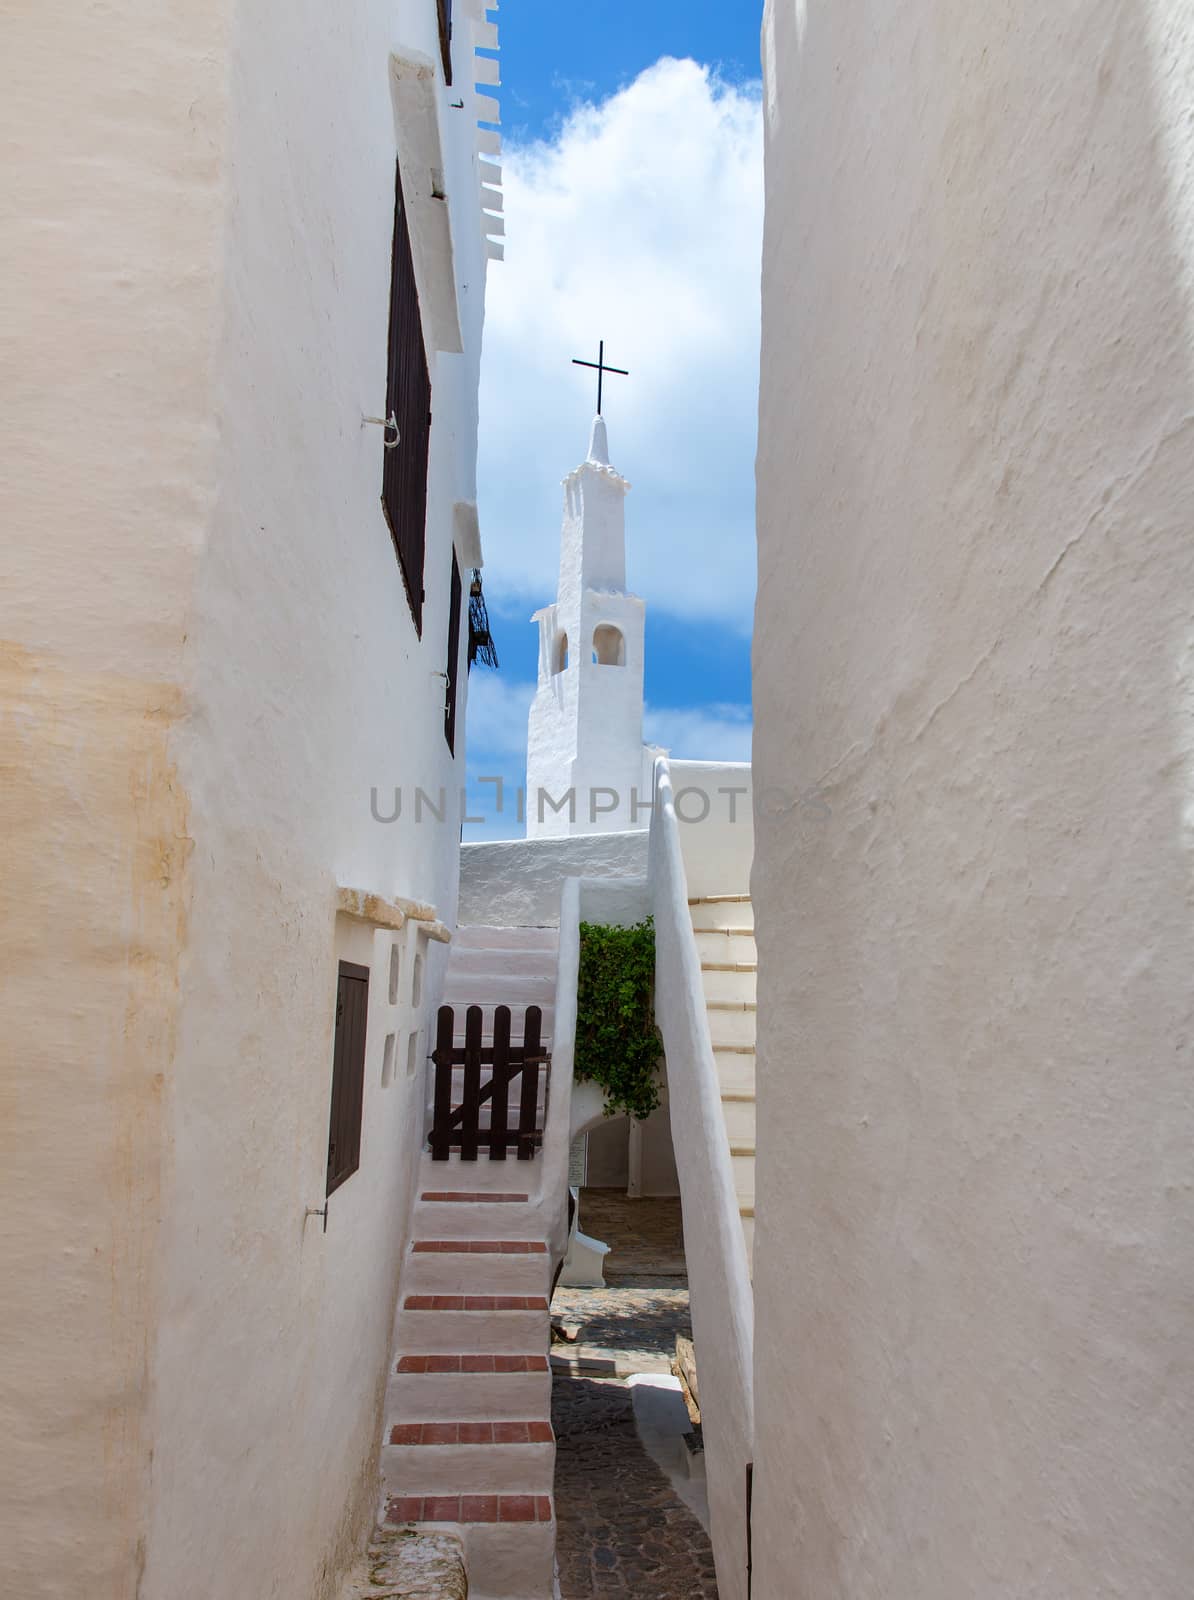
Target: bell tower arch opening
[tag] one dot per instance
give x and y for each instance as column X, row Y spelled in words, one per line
column 609, row 646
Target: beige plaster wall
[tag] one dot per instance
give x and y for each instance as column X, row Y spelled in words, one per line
column 207, row 663
column 112, row 234
column 974, row 1276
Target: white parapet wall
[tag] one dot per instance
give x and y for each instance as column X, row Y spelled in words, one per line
column 719, row 1280
column 713, row 805
column 515, row 883
column 557, row 1131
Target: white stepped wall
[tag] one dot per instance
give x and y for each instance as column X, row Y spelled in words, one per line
column 715, row 1238
column 739, row 1119
column 506, row 1561
column 732, row 1026
column 736, row 1070
column 501, row 961
column 725, row 944
column 491, row 967
column 430, row 1332
column 515, row 967
column 469, row 1469
column 478, row 1219
column 496, row 988
column 482, row 936
column 723, row 927
column 723, row 912
column 744, row 1176
column 442, row 1273
column 730, row 983
column 461, row 1396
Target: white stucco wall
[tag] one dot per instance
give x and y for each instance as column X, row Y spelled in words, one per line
column 516, row 883
column 715, row 824
column 209, row 663
column 608, row 1164
column 714, row 1245
column 973, row 1277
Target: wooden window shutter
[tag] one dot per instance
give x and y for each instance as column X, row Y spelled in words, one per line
column 348, row 1073
column 455, row 602
column 445, row 37
column 408, row 400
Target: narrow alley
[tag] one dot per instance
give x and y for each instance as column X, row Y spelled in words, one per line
column 629, row 1518
column 597, row 731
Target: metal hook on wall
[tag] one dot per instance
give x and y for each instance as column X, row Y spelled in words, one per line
column 390, row 424
column 447, row 685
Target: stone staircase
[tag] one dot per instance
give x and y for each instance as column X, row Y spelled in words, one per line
column 724, row 927
column 514, row 967
column 468, row 1444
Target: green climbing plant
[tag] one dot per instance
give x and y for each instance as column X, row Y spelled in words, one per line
column 617, row 1043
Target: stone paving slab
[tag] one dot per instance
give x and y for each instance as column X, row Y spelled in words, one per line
column 637, row 1321
column 621, row 1528
column 592, row 1360
column 644, row 1236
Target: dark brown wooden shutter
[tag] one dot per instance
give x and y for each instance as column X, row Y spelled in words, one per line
column 455, row 602
column 348, row 1073
column 445, row 37
column 408, row 400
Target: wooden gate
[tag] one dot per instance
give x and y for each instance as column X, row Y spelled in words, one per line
column 489, row 1070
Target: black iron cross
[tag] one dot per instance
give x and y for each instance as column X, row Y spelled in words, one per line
column 601, row 369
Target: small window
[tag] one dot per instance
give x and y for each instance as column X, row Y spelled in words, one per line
column 560, row 661
column 408, row 401
column 609, row 647
column 348, row 1074
column 455, row 601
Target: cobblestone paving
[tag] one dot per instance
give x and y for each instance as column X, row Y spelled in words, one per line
column 621, row 1530
column 645, row 1236
column 639, row 1320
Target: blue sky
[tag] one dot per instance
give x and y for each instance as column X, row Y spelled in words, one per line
column 554, row 52
column 632, row 175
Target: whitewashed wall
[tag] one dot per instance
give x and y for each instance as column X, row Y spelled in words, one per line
column 516, row 883
column 209, row 662
column 974, row 1281
column 714, row 1246
column 714, row 811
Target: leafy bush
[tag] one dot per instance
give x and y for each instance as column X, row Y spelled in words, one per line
column 617, row 1043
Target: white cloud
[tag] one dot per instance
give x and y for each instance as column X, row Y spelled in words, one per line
column 700, row 733
column 498, row 708
column 640, row 224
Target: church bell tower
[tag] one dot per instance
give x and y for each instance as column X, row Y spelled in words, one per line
column 587, row 769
